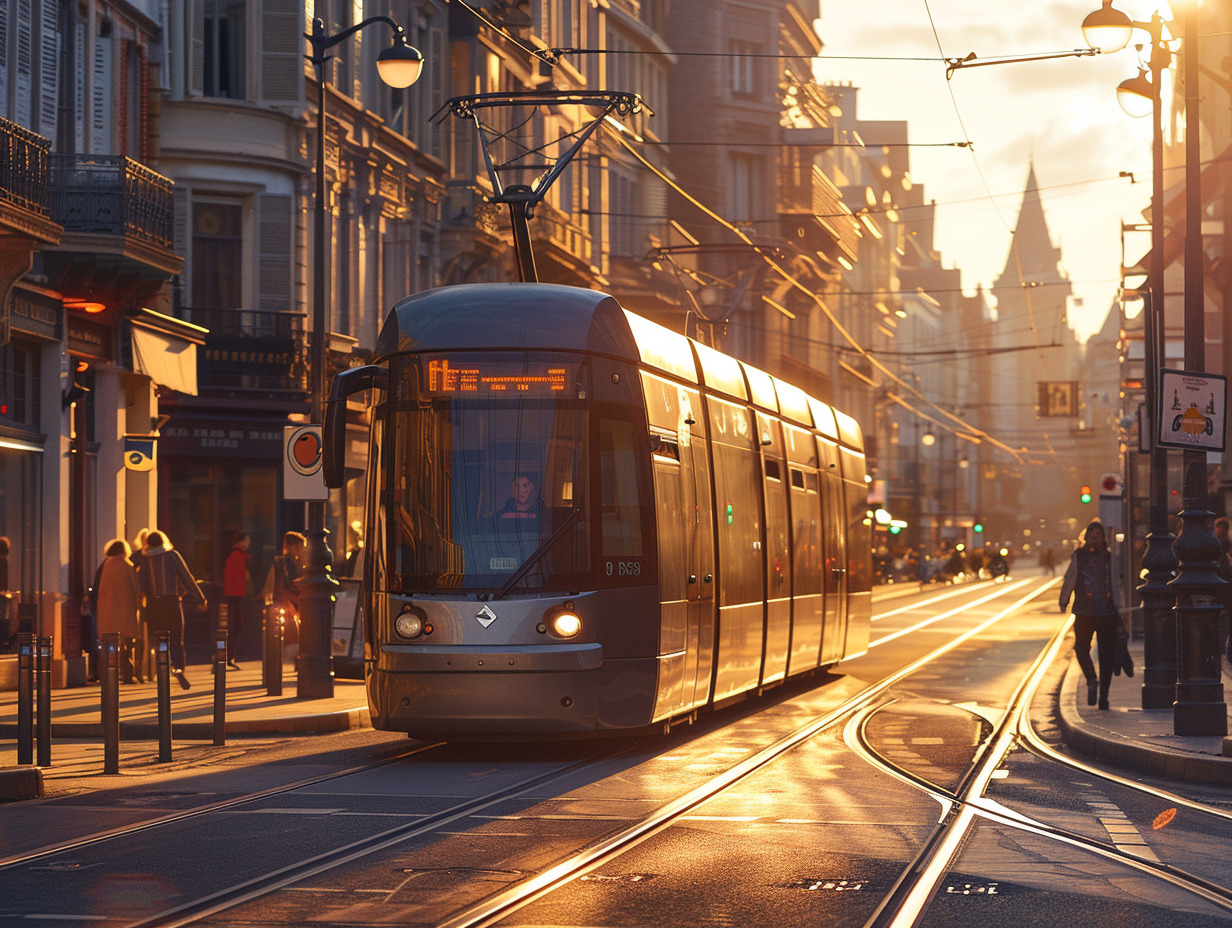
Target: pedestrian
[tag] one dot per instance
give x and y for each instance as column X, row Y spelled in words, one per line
column 1088, row 579
column 116, row 595
column 236, row 582
column 1048, row 559
column 281, row 589
column 164, row 578
column 139, row 547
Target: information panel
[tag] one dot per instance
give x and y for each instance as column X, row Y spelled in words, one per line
column 1192, row 411
column 446, row 376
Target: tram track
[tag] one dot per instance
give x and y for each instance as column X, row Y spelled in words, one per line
column 905, row 905
column 568, row 868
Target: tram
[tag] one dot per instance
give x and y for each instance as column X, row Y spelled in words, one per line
column 579, row 522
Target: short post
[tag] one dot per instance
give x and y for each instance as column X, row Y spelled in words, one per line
column 220, row 687
column 42, row 682
column 162, row 670
column 25, row 699
column 271, row 671
column 109, row 677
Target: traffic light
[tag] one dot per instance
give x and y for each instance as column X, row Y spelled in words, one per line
column 978, row 528
column 1084, row 495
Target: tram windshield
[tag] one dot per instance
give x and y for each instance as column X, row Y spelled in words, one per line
column 485, row 473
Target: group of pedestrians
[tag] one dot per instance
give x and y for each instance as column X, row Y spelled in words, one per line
column 147, row 583
column 144, row 584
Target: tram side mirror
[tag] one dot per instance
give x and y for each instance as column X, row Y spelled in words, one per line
column 346, row 384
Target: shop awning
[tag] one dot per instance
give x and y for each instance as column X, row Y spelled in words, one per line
column 167, row 360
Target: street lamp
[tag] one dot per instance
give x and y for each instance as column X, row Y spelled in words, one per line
column 1195, row 683
column 398, row 66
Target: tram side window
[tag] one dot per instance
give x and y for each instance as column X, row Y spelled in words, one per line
column 738, row 493
column 621, row 501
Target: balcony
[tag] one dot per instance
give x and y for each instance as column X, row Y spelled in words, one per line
column 250, row 353
column 24, row 169
column 26, row 225
column 112, row 195
column 118, row 220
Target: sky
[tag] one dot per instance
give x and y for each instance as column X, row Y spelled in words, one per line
column 1060, row 113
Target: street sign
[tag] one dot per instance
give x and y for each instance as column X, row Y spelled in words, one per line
column 1110, row 485
column 303, row 476
column 1193, row 409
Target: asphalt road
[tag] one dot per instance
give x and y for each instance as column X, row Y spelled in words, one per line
column 892, row 791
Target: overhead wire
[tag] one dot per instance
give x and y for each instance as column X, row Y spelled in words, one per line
column 955, row 424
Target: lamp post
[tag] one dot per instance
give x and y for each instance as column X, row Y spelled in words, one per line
column 1109, row 30
column 398, row 66
column 1198, row 708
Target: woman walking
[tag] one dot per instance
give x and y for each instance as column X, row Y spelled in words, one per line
column 116, row 594
column 164, row 577
column 1088, row 579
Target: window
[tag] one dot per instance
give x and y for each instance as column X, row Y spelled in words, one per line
column 225, row 29
column 744, row 66
column 744, row 187
column 19, row 377
column 217, row 255
column 621, row 501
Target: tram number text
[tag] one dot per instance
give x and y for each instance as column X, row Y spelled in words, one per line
column 624, row 568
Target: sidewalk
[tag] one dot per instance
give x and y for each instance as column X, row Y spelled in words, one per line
column 76, row 712
column 1140, row 740
column 77, row 730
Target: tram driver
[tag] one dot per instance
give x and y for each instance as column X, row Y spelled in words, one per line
column 525, row 503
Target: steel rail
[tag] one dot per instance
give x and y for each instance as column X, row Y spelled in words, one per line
column 907, row 902
column 568, row 869
column 502, row 904
column 17, row 860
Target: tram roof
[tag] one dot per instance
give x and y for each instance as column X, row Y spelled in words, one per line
column 547, row 317
column 508, row 315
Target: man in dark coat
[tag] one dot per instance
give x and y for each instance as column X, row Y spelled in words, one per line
column 164, row 578
column 1089, row 580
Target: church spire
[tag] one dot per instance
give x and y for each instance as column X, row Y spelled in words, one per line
column 1032, row 256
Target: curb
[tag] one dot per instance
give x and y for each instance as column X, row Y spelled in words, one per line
column 1109, row 747
column 18, row 783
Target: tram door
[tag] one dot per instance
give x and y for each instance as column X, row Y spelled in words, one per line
column 834, row 569
column 700, row 591
column 686, row 547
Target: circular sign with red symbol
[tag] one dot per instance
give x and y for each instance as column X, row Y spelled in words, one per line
column 304, row 450
column 303, row 473
column 1110, row 485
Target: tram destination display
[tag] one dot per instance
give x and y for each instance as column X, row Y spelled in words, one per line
column 447, row 376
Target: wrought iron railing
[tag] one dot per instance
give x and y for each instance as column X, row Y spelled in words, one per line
column 112, row 195
column 25, row 173
column 250, row 350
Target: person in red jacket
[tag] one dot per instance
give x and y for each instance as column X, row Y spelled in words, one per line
column 235, row 584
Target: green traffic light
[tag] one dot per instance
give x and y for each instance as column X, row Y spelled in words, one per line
column 978, row 527
column 1085, row 495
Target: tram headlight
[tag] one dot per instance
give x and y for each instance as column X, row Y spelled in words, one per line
column 561, row 622
column 409, row 622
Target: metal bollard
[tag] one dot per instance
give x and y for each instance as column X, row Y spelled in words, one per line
column 220, row 687
column 271, row 670
column 42, row 684
column 162, row 669
column 109, row 677
column 25, row 699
